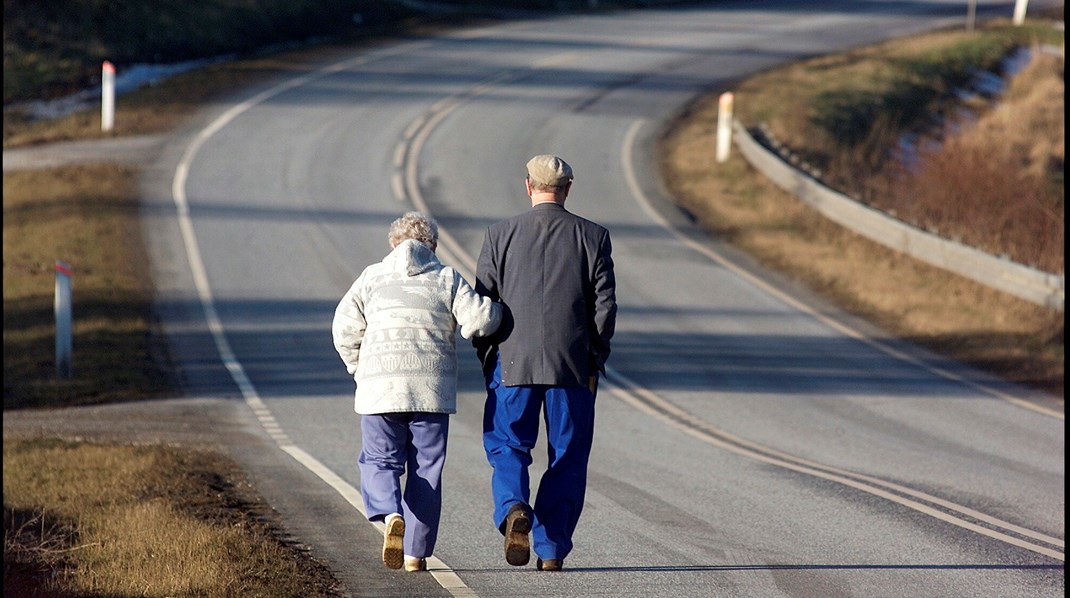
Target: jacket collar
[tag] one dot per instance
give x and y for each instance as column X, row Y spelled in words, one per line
column 548, row 205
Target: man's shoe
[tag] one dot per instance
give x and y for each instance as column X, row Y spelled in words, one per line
column 413, row 564
column 549, row 564
column 517, row 528
column 393, row 541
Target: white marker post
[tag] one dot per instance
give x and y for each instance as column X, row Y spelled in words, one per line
column 724, row 126
column 1019, row 11
column 64, row 359
column 107, row 97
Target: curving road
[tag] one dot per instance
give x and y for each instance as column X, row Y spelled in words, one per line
column 751, row 441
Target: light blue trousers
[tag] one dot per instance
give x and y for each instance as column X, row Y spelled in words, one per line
column 396, row 443
column 510, row 430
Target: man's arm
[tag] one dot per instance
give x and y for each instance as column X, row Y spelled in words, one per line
column 486, row 284
column 605, row 303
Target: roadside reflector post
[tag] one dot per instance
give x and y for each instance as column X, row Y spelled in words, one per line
column 724, row 126
column 64, row 360
column 971, row 15
column 107, row 97
column 1019, row 11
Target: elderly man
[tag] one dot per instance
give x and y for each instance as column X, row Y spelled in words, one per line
column 553, row 272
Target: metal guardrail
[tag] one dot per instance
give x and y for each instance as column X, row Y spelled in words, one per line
column 997, row 272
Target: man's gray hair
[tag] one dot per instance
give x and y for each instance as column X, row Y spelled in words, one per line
column 414, row 225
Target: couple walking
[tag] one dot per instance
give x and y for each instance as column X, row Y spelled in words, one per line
column 540, row 317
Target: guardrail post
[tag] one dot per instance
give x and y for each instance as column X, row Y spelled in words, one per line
column 64, row 358
column 107, row 97
column 724, row 126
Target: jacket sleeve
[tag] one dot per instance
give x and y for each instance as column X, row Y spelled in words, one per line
column 605, row 304
column 476, row 315
column 486, row 285
column 349, row 325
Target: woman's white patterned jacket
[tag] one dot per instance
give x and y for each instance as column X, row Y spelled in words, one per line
column 395, row 329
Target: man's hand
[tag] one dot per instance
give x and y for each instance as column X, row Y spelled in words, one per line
column 592, row 384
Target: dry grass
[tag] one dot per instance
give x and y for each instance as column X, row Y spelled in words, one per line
column 88, row 217
column 846, row 115
column 957, row 317
column 860, row 100
column 1005, row 197
column 114, row 520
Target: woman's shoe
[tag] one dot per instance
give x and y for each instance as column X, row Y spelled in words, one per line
column 549, row 564
column 393, row 541
column 413, row 564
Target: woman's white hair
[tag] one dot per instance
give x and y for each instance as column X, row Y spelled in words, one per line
column 414, row 225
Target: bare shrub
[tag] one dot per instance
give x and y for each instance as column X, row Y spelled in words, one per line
column 996, row 185
column 974, row 194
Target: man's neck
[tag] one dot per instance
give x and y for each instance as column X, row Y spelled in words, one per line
column 538, row 198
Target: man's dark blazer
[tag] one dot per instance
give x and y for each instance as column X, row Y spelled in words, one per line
column 553, row 271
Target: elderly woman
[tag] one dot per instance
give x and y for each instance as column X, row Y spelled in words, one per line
column 395, row 329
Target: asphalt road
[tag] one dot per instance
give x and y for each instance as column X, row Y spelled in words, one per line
column 751, row 440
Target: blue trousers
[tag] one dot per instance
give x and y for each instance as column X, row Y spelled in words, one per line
column 510, row 430
column 392, row 443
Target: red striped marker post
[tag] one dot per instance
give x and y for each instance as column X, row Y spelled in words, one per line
column 64, row 358
column 107, row 97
